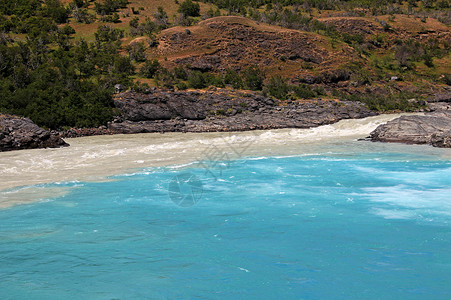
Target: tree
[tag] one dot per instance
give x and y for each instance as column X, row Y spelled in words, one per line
column 137, row 51
column 253, row 79
column 277, row 87
column 189, row 9
column 55, row 10
column 161, row 17
column 150, row 68
column 197, row 80
column 233, row 78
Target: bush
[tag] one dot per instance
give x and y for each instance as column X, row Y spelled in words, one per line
column 447, row 78
column 197, row 80
column 180, row 73
column 150, row 68
column 165, row 78
column 161, row 18
column 136, row 51
column 107, row 33
column 56, row 10
column 109, row 6
column 134, row 22
column 140, row 87
column 123, row 65
column 253, row 79
column 277, row 87
column 181, row 86
column 189, row 8
column 233, row 78
column 304, row 91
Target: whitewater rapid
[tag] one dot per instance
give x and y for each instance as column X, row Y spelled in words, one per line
column 95, row 158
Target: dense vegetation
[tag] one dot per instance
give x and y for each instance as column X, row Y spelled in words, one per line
column 50, row 77
column 58, row 79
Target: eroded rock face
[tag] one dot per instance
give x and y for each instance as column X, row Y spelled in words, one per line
column 224, row 110
column 432, row 128
column 232, row 42
column 21, row 133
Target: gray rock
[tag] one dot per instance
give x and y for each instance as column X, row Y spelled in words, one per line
column 432, row 128
column 224, row 110
column 21, row 133
column 440, row 98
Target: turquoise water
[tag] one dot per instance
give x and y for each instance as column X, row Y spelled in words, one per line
column 334, row 226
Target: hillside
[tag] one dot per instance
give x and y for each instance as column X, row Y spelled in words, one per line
column 61, row 59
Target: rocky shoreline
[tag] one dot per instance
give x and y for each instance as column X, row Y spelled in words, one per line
column 225, row 110
column 18, row 133
column 218, row 110
column 433, row 128
column 189, row 111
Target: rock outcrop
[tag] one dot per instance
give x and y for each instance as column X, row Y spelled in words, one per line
column 433, row 128
column 231, row 42
column 21, row 133
column 224, row 110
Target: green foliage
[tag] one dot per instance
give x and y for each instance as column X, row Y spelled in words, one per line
column 447, row 78
column 233, row 78
column 53, row 79
column 197, row 80
column 145, row 28
column 150, row 68
column 277, row 87
column 108, row 7
column 111, row 18
column 189, row 8
column 123, row 65
column 136, row 51
column 139, row 87
column 56, row 11
column 106, row 33
column 134, row 22
column 24, row 8
column 181, row 86
column 165, row 78
column 253, row 78
column 211, row 13
column 352, row 38
column 161, row 18
column 180, row 73
column 304, row 91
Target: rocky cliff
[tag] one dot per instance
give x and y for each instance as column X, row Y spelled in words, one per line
column 224, row 110
column 21, row 133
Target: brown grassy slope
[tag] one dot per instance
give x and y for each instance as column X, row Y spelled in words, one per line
column 401, row 26
column 86, row 31
column 236, row 42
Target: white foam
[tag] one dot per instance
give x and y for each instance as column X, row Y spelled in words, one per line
column 404, row 201
column 93, row 158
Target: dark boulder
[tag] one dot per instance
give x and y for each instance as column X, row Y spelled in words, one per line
column 21, row 133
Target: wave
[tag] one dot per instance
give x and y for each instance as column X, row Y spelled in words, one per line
column 97, row 157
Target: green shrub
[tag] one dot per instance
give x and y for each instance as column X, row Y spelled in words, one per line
column 253, row 78
column 181, row 86
column 136, row 51
column 277, row 87
column 233, row 78
column 189, row 8
column 150, row 68
column 304, row 91
column 197, row 80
